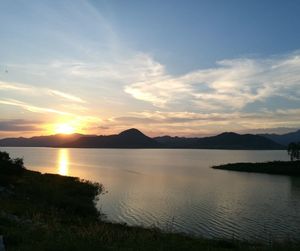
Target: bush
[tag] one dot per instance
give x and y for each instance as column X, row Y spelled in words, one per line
column 4, row 157
column 10, row 167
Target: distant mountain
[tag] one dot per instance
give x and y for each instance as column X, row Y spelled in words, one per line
column 131, row 138
column 41, row 141
column 227, row 140
column 177, row 142
column 230, row 140
column 284, row 139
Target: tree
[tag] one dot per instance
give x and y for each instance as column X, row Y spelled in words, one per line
column 294, row 151
column 6, row 160
column 4, row 157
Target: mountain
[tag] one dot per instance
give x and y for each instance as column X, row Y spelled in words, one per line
column 230, row 140
column 284, row 139
column 41, row 141
column 131, row 138
column 227, row 140
column 177, row 142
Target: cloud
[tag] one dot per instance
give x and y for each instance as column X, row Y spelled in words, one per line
column 13, row 86
column 66, row 96
column 232, row 84
column 174, row 117
column 124, row 69
column 44, row 110
column 203, row 101
column 32, row 90
column 197, row 123
column 15, row 125
column 31, row 108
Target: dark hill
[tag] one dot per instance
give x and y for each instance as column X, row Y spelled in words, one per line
column 177, row 142
column 227, row 140
column 41, row 141
column 131, row 138
column 284, row 139
column 230, row 140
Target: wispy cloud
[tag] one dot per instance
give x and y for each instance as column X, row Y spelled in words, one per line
column 13, row 86
column 31, row 108
column 66, row 96
column 81, row 122
column 33, row 90
column 197, row 123
column 15, row 125
column 232, row 84
column 200, row 102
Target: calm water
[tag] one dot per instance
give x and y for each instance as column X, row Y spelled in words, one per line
column 177, row 191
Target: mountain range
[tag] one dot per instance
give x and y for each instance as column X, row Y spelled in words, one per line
column 284, row 139
column 226, row 140
column 133, row 138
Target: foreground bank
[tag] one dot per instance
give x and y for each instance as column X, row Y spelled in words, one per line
column 52, row 212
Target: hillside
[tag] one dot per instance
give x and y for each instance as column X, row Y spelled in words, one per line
column 230, row 140
column 41, row 141
column 284, row 139
column 227, row 140
column 131, row 138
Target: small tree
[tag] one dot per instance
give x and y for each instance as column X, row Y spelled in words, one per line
column 8, row 162
column 294, row 151
column 4, row 157
column 19, row 162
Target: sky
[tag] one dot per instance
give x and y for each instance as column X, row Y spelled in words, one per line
column 186, row 68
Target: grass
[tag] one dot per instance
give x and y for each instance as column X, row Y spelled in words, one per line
column 275, row 167
column 53, row 212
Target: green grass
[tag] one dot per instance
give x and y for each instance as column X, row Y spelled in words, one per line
column 275, row 167
column 53, row 212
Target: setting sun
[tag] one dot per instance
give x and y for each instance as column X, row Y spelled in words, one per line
column 64, row 129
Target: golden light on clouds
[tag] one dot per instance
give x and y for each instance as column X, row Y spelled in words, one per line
column 72, row 124
column 65, row 128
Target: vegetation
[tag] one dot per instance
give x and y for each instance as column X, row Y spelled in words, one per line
column 274, row 167
column 53, row 212
column 294, row 151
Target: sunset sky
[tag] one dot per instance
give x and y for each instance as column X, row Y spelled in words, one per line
column 165, row 67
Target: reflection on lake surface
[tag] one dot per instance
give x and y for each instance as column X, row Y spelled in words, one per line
column 176, row 190
column 63, row 162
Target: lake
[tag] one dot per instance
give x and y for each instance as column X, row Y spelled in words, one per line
column 176, row 190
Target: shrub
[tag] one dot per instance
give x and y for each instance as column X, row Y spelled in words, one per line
column 9, row 166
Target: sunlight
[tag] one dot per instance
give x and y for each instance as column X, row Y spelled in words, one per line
column 63, row 162
column 65, row 129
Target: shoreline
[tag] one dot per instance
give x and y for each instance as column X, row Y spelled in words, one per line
column 291, row 168
column 157, row 148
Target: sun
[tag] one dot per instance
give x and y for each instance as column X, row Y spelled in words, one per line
column 65, row 129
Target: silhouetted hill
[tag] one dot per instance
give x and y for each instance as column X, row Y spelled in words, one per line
column 227, row 140
column 177, row 142
column 41, row 141
column 284, row 139
column 230, row 140
column 131, row 138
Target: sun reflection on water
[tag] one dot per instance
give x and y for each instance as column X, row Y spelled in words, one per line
column 63, row 162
